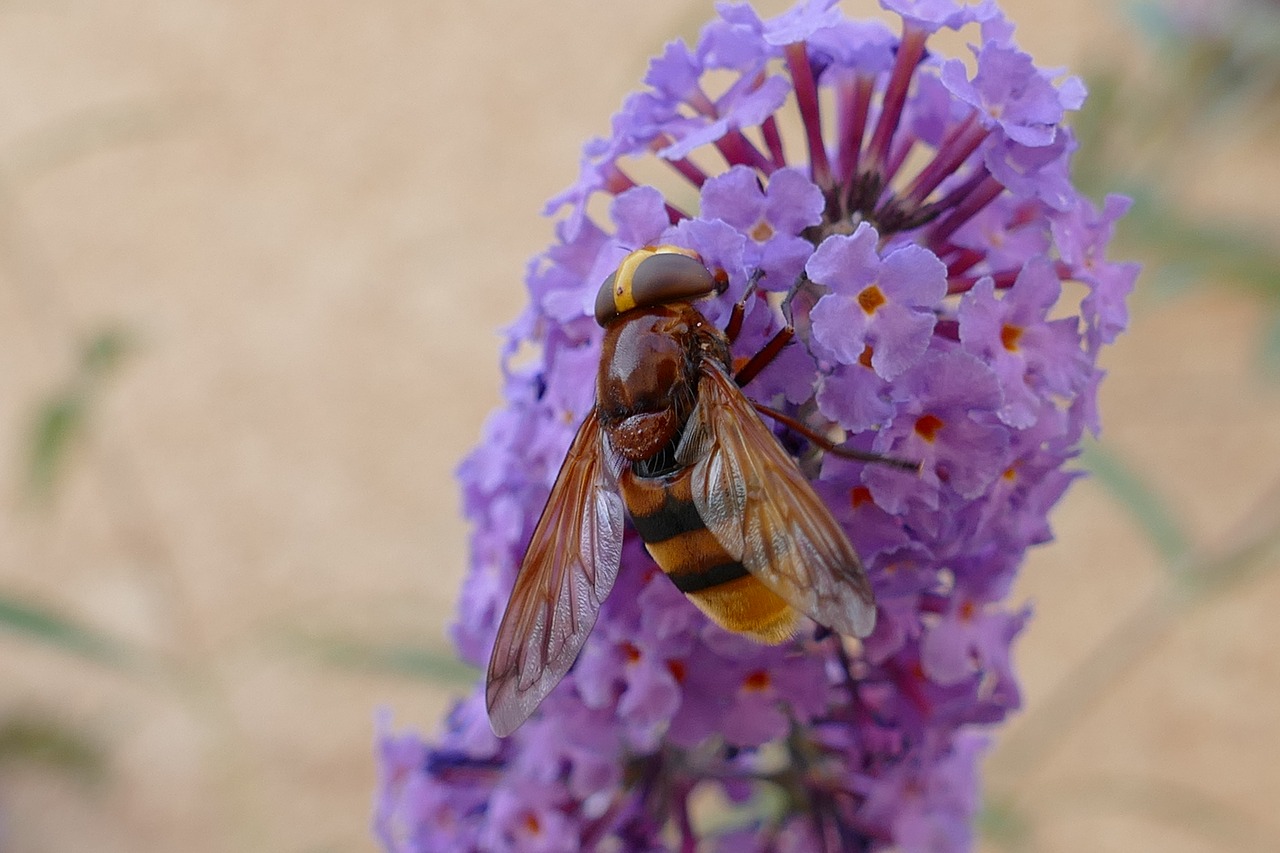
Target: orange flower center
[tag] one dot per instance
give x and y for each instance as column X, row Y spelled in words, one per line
column 871, row 298
column 927, row 426
column 677, row 670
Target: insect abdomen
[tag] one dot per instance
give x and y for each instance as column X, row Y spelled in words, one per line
column 663, row 513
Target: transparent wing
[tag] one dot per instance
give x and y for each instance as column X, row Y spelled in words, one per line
column 568, row 570
column 761, row 509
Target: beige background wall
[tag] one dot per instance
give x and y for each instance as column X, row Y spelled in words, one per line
column 309, row 219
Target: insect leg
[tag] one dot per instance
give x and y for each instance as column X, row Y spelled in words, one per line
column 767, row 353
column 740, row 307
column 830, row 446
column 801, row 289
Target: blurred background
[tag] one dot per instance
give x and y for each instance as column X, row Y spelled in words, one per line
column 253, row 258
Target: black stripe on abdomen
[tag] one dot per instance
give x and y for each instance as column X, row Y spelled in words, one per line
column 701, row 579
column 671, row 519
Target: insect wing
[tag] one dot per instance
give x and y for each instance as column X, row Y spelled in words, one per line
column 567, row 571
column 761, row 509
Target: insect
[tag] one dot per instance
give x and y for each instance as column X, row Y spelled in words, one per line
column 721, row 506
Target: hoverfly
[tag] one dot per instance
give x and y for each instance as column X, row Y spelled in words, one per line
column 721, row 506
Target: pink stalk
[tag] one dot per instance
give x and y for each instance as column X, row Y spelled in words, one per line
column 684, row 166
column 949, row 329
column 854, row 98
column 810, row 114
column 773, row 139
column 982, row 195
column 910, row 52
column 901, row 149
column 738, row 151
column 963, row 262
column 615, row 181
column 963, row 139
column 964, row 283
column 960, row 193
column 701, row 103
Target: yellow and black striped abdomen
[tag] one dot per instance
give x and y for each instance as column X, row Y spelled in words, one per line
column 663, row 513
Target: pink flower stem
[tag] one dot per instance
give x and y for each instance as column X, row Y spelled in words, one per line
column 773, row 140
column 982, row 195
column 854, row 99
column 964, row 283
column 701, row 103
column 948, row 329
column 904, row 65
column 616, row 181
column 955, row 149
column 810, row 114
column 901, row 150
column 964, row 260
column 738, row 151
column 684, row 166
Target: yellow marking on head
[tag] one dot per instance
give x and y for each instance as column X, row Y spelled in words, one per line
column 674, row 250
column 623, row 299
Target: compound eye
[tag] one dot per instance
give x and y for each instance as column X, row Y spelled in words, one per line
column 653, row 276
column 607, row 300
column 664, row 278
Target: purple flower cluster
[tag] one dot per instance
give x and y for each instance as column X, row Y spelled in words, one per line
column 950, row 293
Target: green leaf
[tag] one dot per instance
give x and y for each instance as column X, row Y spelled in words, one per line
column 61, row 420
column 1091, row 125
column 1269, row 351
column 1151, row 513
column 1166, row 283
column 1152, row 19
column 437, row 666
column 57, row 631
column 37, row 739
column 1003, row 823
column 58, row 423
column 104, row 352
column 78, row 134
column 1227, row 252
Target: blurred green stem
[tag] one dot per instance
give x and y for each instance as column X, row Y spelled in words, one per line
column 32, row 737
